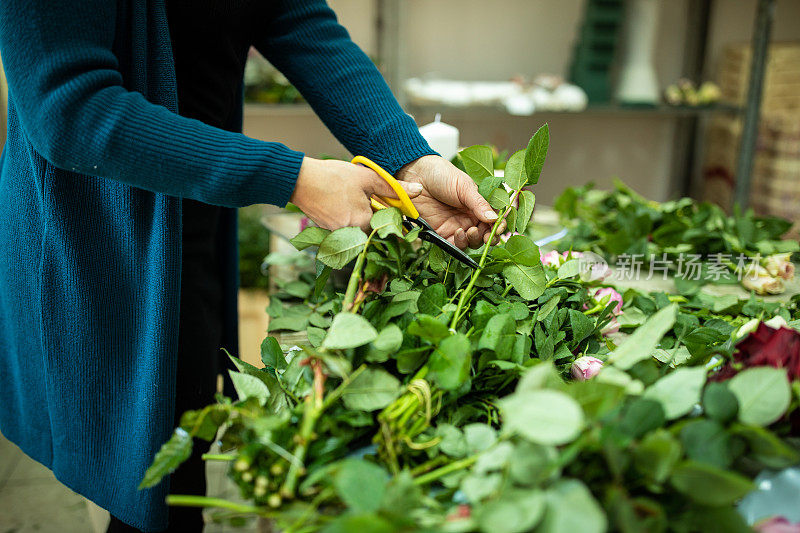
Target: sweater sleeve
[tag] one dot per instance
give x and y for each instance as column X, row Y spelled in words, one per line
column 306, row 43
column 67, row 89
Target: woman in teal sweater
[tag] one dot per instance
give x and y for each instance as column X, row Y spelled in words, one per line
column 119, row 180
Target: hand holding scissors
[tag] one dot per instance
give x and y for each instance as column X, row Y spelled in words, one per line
column 411, row 217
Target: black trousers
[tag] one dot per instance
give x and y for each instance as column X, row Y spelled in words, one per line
column 199, row 341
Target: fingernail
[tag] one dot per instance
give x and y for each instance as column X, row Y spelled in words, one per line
column 415, row 187
column 491, row 215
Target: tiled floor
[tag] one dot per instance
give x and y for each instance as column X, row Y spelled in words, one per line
column 32, row 500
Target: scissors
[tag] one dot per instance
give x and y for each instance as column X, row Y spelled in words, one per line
column 411, row 218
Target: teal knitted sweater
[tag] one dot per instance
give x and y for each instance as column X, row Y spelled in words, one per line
column 91, row 178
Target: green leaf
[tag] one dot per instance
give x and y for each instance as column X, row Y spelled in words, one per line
column 706, row 441
column 477, row 487
column 437, row 259
column 572, row 508
column 341, row 247
column 540, row 376
column 371, row 390
column 515, row 511
column 361, row 523
column 272, row 355
column 428, row 328
column 323, row 273
column 292, row 322
column 719, row 403
column 453, row 441
column 582, row 325
column 337, row 366
column 432, row 299
column 514, row 174
column 523, row 251
column 640, row 416
column 535, row 154
column 766, row 447
column 450, row 363
column 205, row 423
column 528, row 281
column 569, row 269
column 488, row 185
column 640, row 345
column 499, row 199
column 678, row 391
column 360, row 484
column 709, row 485
column 478, row 162
column 542, row 416
column 172, row 453
column 311, row 236
column 387, row 342
column 674, row 356
column 498, row 335
column 763, row 394
column 657, row 455
column 479, row 437
column 527, row 200
column 315, row 336
column 387, row 222
column 248, row 386
column 531, row 464
column 349, row 330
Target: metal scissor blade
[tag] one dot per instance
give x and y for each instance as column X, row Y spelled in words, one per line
column 427, row 233
column 447, row 247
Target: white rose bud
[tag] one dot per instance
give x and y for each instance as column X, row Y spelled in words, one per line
column 780, row 266
column 747, row 328
column 776, row 322
column 758, row 279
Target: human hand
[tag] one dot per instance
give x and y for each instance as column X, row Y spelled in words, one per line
column 450, row 201
column 336, row 194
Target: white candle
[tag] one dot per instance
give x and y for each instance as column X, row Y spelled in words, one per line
column 442, row 137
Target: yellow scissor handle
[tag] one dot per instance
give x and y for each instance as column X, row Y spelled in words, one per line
column 402, row 202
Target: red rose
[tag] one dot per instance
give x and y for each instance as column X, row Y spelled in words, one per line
column 779, row 348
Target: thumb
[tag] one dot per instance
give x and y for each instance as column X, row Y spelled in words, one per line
column 470, row 198
column 378, row 186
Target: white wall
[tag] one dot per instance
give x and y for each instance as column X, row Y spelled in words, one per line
column 480, row 39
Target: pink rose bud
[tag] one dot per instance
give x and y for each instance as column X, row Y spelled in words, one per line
column 505, row 236
column 551, row 259
column 611, row 327
column 304, row 222
column 776, row 524
column 604, row 295
column 779, row 266
column 586, row 367
column 572, row 255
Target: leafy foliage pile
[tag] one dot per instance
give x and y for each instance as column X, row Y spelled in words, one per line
column 432, row 397
column 617, row 222
column 253, row 246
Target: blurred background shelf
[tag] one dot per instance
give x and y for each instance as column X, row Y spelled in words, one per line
column 423, row 111
column 254, row 110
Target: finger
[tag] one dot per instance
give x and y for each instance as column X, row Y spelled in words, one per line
column 474, row 237
column 460, row 238
column 494, row 241
column 469, row 197
column 374, row 184
column 412, row 189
